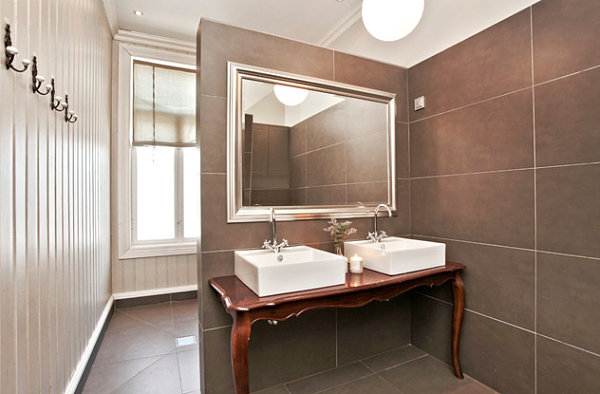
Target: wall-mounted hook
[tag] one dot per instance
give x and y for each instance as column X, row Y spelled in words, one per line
column 56, row 101
column 10, row 52
column 38, row 80
column 71, row 117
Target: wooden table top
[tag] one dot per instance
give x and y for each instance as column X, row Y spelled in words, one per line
column 238, row 297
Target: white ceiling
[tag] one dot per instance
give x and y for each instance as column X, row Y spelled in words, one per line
column 322, row 22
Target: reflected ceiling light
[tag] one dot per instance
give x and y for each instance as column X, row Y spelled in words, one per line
column 289, row 95
column 138, row 12
column 391, row 20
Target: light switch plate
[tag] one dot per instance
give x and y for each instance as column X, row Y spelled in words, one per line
column 419, row 103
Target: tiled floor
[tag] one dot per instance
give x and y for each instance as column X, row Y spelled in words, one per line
column 139, row 352
column 139, row 355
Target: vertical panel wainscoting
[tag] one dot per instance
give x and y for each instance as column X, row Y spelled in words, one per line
column 504, row 170
column 151, row 275
column 54, row 195
column 318, row 340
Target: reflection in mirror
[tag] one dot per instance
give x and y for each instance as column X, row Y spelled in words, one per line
column 305, row 147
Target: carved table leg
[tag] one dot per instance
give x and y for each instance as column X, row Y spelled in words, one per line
column 240, row 336
column 458, row 289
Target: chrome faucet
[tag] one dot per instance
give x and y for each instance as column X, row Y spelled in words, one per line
column 272, row 244
column 377, row 236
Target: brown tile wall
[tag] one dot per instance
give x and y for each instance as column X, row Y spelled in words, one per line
column 505, row 169
column 321, row 339
column 348, row 165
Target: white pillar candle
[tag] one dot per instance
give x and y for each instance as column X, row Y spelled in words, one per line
column 356, row 264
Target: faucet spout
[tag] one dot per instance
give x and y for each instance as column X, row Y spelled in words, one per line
column 375, row 236
column 272, row 244
column 273, row 225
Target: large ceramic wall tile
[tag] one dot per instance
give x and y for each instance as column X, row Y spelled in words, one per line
column 222, row 43
column 568, row 210
column 565, row 37
column 292, row 349
column 568, row 303
column 327, row 166
column 217, row 234
column 367, row 193
column 494, row 135
column 213, row 134
column 495, row 353
column 213, row 265
column 372, row 74
column 298, row 139
column 563, row 369
column 298, row 171
column 374, row 328
column 326, row 128
column 491, row 63
column 499, row 281
column 218, row 374
column 494, row 208
column 326, row 195
column 402, row 149
column 499, row 355
column 567, row 119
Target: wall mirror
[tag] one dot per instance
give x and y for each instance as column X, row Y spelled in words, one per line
column 308, row 147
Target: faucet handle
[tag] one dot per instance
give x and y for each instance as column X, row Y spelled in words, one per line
column 266, row 244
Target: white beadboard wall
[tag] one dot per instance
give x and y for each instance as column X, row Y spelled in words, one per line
column 54, row 194
column 153, row 273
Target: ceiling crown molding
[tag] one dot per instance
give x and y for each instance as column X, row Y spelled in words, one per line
column 110, row 10
column 341, row 27
column 135, row 37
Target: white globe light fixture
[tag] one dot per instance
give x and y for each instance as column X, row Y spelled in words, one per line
column 391, row 20
column 289, row 95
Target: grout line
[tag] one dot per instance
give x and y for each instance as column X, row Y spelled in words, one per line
column 508, row 247
column 506, row 94
column 216, row 328
column 345, row 383
column 139, row 372
column 568, row 344
column 535, row 220
column 472, row 104
column 480, row 314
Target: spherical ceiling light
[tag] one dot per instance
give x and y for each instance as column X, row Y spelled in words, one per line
column 289, row 95
column 391, row 20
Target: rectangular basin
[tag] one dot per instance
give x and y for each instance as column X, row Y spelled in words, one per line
column 394, row 255
column 302, row 268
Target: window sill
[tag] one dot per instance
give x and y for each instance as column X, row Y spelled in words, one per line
column 157, row 250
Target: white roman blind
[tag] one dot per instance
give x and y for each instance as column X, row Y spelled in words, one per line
column 164, row 105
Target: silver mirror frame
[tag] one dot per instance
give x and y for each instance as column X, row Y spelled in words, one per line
column 236, row 212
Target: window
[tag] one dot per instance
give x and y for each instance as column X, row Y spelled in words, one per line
column 159, row 163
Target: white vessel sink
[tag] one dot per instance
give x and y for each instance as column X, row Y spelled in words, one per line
column 302, row 268
column 393, row 255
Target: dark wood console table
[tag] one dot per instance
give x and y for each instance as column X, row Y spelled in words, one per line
column 246, row 307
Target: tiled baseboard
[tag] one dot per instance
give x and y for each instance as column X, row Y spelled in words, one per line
column 124, row 300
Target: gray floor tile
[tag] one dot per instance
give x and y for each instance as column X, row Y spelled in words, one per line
column 393, row 358
column 424, row 375
column 328, row 379
column 159, row 315
column 273, row 390
column 105, row 378
column 189, row 369
column 371, row 384
column 162, row 377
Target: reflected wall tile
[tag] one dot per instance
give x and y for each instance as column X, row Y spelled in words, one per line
column 298, row 172
column 367, row 193
column 298, row 139
column 366, row 158
column 565, row 37
column 327, row 166
column 326, row 128
column 488, row 64
column 326, row 195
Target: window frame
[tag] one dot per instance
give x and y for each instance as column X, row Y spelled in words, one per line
column 128, row 246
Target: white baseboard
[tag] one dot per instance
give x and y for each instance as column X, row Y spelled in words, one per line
column 151, row 292
column 85, row 357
